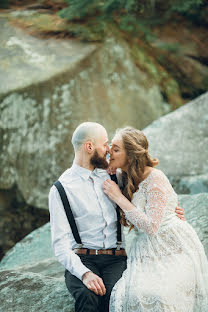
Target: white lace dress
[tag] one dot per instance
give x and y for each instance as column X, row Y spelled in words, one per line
column 167, row 269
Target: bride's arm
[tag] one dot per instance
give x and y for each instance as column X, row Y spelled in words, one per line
column 155, row 205
column 150, row 221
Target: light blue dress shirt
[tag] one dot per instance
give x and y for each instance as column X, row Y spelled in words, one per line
column 94, row 213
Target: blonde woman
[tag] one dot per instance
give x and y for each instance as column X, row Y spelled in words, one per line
column 167, row 269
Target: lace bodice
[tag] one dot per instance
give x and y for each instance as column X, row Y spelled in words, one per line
column 167, row 269
column 155, row 202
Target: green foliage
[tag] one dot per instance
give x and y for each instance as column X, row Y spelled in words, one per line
column 79, row 9
column 195, row 10
column 135, row 16
column 185, row 6
column 82, row 8
column 4, row 4
column 123, row 13
column 170, row 47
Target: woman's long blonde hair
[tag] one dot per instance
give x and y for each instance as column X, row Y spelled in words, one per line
column 136, row 147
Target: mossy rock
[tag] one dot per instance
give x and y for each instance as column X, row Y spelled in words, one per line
column 45, row 23
column 157, row 74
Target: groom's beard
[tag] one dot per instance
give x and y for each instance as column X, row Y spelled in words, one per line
column 99, row 162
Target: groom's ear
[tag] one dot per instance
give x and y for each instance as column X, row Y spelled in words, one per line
column 89, row 147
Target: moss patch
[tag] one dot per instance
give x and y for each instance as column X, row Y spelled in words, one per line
column 40, row 23
column 145, row 58
column 43, row 24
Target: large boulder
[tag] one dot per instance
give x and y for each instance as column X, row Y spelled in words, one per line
column 30, row 292
column 48, row 88
column 34, row 254
column 30, row 269
column 196, row 213
column 180, row 141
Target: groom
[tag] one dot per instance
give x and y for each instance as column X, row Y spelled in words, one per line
column 92, row 269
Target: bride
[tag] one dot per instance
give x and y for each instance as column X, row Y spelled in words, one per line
column 167, row 269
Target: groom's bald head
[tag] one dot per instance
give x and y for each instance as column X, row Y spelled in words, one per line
column 87, row 131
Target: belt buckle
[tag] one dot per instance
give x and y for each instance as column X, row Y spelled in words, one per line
column 96, row 252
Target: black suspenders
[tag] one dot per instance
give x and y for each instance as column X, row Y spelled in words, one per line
column 119, row 239
column 69, row 213
column 70, row 216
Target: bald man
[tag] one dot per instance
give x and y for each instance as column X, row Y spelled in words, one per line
column 91, row 271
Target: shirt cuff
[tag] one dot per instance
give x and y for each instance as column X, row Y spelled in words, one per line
column 82, row 271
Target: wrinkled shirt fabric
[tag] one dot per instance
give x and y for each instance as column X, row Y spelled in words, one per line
column 94, row 213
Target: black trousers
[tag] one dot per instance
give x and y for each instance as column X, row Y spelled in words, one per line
column 109, row 268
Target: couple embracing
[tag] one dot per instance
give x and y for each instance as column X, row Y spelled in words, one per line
column 166, row 269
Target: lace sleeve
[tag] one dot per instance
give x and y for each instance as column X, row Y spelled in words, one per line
column 156, row 199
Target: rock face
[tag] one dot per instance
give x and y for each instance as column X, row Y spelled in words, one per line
column 180, row 141
column 17, row 220
column 48, row 87
column 34, row 254
column 196, row 212
column 186, row 57
column 23, row 292
column 30, row 269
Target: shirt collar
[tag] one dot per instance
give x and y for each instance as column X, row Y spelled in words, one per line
column 81, row 171
column 100, row 172
column 85, row 173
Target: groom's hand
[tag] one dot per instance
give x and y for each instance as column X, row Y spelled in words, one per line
column 94, row 283
column 111, row 170
column 180, row 213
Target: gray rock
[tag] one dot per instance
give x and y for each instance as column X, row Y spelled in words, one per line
column 180, row 141
column 34, row 248
column 30, row 292
column 192, row 185
column 34, row 254
column 26, row 60
column 50, row 86
column 196, row 213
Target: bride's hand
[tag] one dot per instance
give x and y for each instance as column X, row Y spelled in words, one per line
column 111, row 189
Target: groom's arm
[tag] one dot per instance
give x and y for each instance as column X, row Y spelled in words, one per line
column 60, row 233
column 60, row 230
